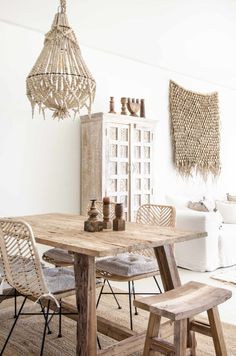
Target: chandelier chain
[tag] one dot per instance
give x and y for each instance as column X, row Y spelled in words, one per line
column 63, row 5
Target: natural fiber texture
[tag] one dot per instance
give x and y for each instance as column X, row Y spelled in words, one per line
column 21, row 264
column 195, row 131
column 60, row 79
column 28, row 332
column 154, row 214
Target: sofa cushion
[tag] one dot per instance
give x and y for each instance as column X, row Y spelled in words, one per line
column 231, row 197
column 197, row 205
column 228, row 211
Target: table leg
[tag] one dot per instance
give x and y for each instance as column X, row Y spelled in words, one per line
column 168, row 268
column 85, row 284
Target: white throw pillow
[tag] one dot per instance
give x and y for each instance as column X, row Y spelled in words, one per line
column 228, row 211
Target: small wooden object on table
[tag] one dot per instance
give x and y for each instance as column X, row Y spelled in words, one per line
column 106, row 213
column 119, row 222
column 93, row 224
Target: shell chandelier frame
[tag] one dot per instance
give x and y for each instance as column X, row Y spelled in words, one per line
column 60, row 80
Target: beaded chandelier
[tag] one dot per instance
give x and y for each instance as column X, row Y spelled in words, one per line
column 60, row 80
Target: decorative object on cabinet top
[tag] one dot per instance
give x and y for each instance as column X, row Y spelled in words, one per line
column 133, row 105
column 60, row 80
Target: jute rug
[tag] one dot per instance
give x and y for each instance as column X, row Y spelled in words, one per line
column 226, row 276
column 26, row 338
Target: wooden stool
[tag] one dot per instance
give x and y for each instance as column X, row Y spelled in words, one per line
column 180, row 305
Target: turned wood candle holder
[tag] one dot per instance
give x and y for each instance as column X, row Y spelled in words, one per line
column 118, row 222
column 106, row 213
column 112, row 105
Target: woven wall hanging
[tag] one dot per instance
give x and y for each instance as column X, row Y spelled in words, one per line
column 195, row 131
column 60, row 79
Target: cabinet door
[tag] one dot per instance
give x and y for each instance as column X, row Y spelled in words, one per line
column 141, row 169
column 117, row 154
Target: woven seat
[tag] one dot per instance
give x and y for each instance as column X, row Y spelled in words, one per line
column 22, row 270
column 181, row 305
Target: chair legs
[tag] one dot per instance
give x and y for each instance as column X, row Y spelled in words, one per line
column 152, row 331
column 217, row 332
column 130, row 307
column 131, row 292
column 112, row 292
column 45, row 328
column 15, row 303
column 13, row 326
column 184, row 336
column 59, row 331
column 180, row 337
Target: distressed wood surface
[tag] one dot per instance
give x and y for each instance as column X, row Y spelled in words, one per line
column 217, row 332
column 184, row 302
column 66, row 231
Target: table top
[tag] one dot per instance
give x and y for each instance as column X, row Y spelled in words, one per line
column 67, row 232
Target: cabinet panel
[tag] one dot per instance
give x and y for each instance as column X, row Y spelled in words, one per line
column 117, row 164
column 116, row 160
column 141, row 172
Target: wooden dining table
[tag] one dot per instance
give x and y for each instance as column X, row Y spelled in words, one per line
column 67, row 232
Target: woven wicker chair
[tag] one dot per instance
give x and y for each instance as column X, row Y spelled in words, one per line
column 23, row 272
column 110, row 268
column 6, row 291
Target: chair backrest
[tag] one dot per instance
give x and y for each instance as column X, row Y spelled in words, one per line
column 20, row 259
column 153, row 214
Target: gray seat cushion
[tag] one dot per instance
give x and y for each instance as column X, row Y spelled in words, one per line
column 127, row 264
column 59, row 279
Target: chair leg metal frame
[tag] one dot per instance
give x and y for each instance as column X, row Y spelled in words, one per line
column 45, row 311
column 13, row 326
column 46, row 314
column 131, row 292
column 112, row 292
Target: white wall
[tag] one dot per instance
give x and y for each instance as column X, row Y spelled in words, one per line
column 39, row 159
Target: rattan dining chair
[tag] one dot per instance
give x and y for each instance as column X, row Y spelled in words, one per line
column 22, row 270
column 6, row 291
column 141, row 264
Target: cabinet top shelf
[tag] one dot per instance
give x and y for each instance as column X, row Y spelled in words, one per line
column 125, row 119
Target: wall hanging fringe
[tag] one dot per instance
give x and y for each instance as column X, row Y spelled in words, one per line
column 195, row 131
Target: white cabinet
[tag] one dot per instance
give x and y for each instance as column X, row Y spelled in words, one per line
column 116, row 160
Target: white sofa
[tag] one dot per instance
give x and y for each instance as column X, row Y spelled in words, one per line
column 216, row 250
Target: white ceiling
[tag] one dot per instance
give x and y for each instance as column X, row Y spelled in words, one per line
column 193, row 37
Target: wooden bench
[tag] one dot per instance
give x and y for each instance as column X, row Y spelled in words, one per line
column 180, row 305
